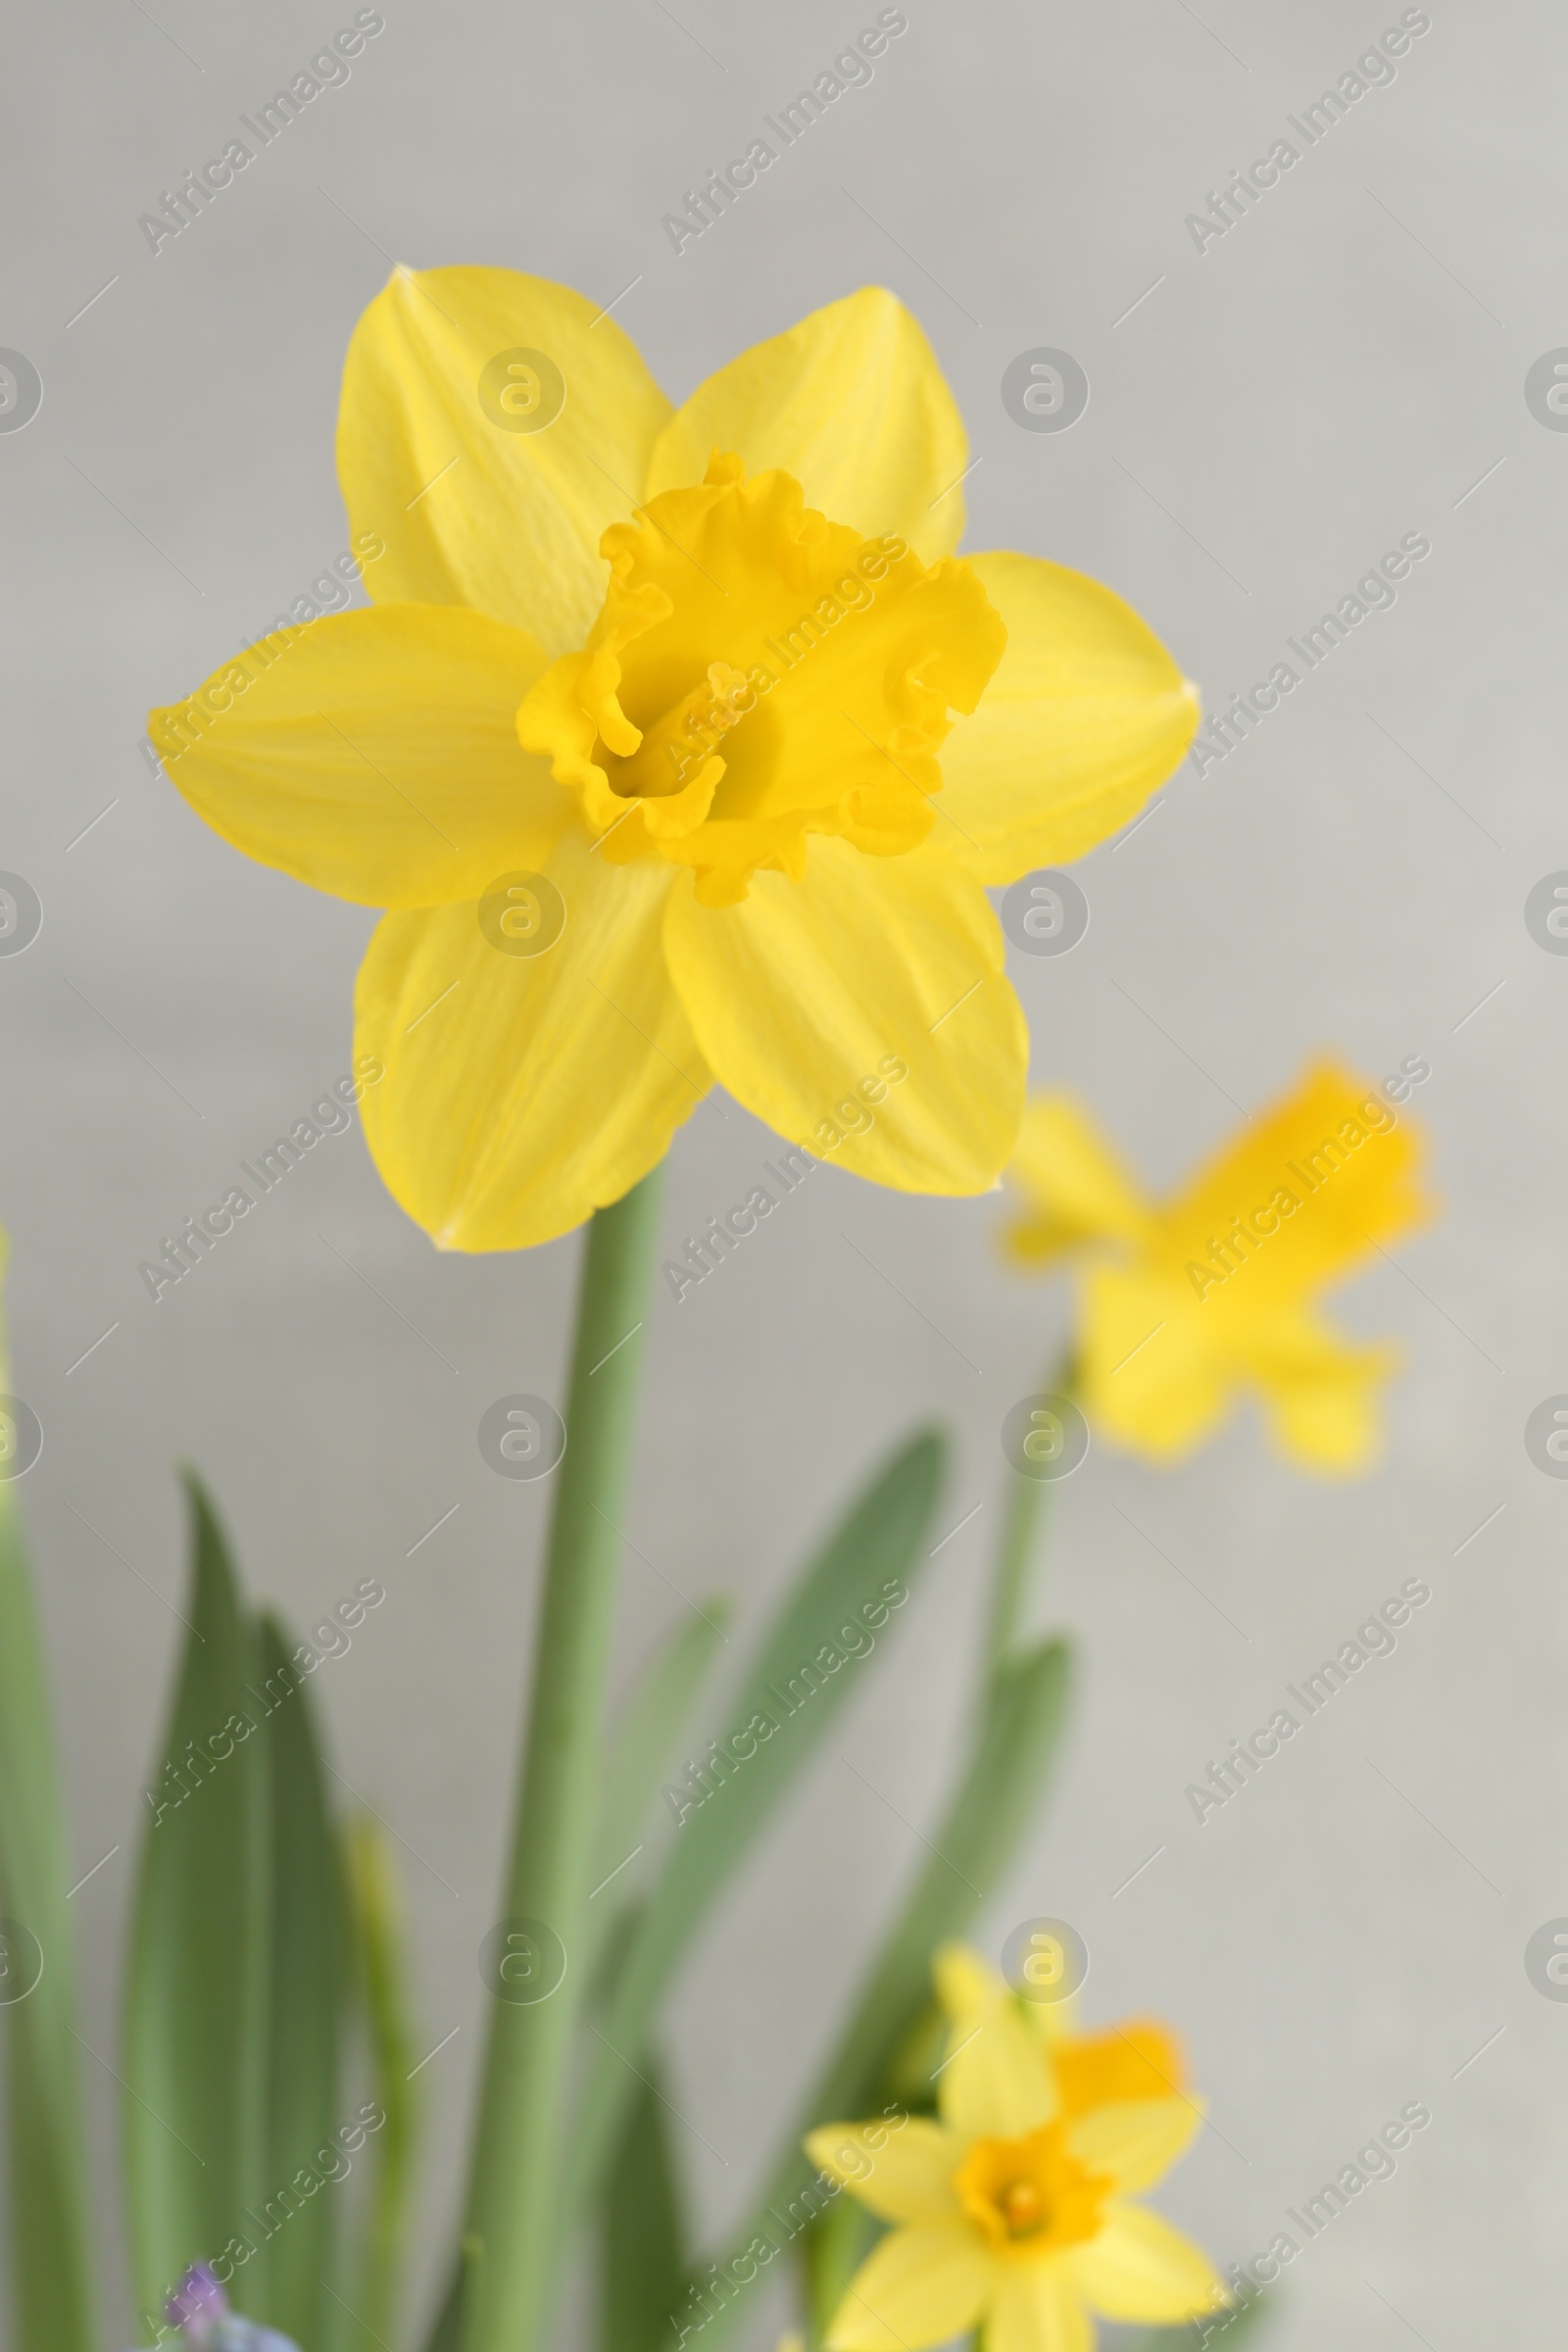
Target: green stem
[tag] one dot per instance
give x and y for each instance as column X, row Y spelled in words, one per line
column 1022, row 1522
column 512, row 2209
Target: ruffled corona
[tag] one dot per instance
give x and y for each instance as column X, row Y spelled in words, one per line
column 760, row 674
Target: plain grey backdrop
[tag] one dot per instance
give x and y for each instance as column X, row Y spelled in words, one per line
column 1345, row 366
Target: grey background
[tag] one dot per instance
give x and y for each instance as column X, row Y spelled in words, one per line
column 1340, row 369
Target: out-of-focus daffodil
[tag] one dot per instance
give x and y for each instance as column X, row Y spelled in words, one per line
column 1011, row 2211
column 680, row 747
column 1185, row 1303
column 1138, row 2059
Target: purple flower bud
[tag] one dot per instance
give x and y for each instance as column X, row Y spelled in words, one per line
column 197, row 2305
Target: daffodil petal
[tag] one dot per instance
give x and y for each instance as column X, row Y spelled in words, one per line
column 903, row 2173
column 1315, row 1179
column 1220, row 1296
column 1153, row 1375
column 1074, row 1184
column 1135, row 2141
column 1141, row 2059
column 853, row 403
column 996, row 2084
column 1086, row 715
column 1321, row 1393
column 966, row 1982
column 919, row 2287
column 472, row 511
column 1138, row 2268
column 1053, row 2023
column 521, row 1093
column 862, row 1013
column 373, row 754
column 1036, row 2308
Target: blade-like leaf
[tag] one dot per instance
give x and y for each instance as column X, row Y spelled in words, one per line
column 198, row 1993
column 51, row 2234
column 972, row 1848
column 834, row 2249
column 644, row 2265
column 381, row 1938
column 307, row 1979
column 974, row 1845
column 798, row 1682
column 447, row 2334
column 642, row 1749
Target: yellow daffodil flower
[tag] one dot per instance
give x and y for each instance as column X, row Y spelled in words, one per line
column 1186, row 1303
column 1011, row 2210
column 680, row 747
column 1139, row 2059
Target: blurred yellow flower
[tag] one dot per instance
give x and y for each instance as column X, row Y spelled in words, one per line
column 1189, row 1301
column 666, row 778
column 1139, row 2059
column 1011, row 2210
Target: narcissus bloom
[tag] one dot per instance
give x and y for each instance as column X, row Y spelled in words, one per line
column 680, row 747
column 1011, row 2210
column 1185, row 1303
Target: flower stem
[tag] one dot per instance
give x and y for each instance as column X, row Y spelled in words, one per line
column 512, row 2209
column 1024, row 1515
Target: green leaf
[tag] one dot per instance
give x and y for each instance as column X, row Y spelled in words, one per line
column 974, row 1845
column 864, row 1568
column 447, row 2334
column 642, row 1746
column 307, row 1977
column 381, row 1938
column 834, row 2249
column 643, row 2268
column 972, row 1848
column 195, row 2044
column 51, row 2234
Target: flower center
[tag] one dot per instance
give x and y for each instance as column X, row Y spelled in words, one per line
column 678, row 746
column 1029, row 2195
column 1024, row 2209
column 759, row 674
